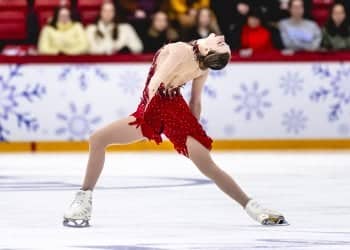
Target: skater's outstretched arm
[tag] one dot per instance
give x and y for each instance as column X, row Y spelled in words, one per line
column 196, row 94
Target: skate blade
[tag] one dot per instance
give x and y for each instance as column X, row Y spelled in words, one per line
column 75, row 223
column 275, row 221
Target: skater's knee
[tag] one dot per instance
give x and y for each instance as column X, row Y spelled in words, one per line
column 96, row 139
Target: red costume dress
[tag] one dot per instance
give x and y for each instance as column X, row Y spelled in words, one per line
column 169, row 115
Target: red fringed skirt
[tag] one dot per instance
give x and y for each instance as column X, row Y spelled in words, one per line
column 169, row 115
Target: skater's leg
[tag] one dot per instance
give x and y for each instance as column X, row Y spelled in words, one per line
column 201, row 157
column 117, row 132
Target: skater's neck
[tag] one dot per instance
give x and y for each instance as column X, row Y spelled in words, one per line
column 201, row 46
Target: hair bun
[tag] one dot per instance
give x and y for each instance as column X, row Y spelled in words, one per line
column 216, row 61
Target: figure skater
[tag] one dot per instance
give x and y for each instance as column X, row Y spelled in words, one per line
column 164, row 110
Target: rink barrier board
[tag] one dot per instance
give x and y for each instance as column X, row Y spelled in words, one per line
column 240, row 129
column 50, row 146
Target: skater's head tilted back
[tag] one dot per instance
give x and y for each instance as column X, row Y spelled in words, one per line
column 213, row 52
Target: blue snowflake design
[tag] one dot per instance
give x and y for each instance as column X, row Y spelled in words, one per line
column 229, row 130
column 83, row 73
column 294, row 121
column 207, row 91
column 344, row 129
column 291, row 83
column 217, row 73
column 338, row 90
column 204, row 122
column 77, row 126
column 121, row 113
column 252, row 101
column 10, row 97
column 130, row 82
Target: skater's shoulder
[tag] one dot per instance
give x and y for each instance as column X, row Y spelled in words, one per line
column 179, row 49
column 178, row 45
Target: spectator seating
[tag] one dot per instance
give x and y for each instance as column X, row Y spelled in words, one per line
column 13, row 14
column 320, row 10
column 89, row 10
column 13, row 4
column 88, row 16
column 46, row 4
column 92, row 4
column 44, row 10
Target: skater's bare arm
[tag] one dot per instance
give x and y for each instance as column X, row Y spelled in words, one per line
column 196, row 94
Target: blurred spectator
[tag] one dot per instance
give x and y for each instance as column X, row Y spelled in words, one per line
column 232, row 15
column 336, row 33
column 346, row 4
column 138, row 9
column 223, row 10
column 270, row 9
column 108, row 36
column 184, row 12
column 298, row 33
column 62, row 35
column 254, row 34
column 204, row 25
column 158, row 33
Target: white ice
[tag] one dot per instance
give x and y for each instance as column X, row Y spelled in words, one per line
column 158, row 201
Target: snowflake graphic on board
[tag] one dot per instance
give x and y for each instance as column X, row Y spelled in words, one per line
column 252, row 101
column 291, row 83
column 130, row 82
column 294, row 121
column 208, row 91
column 77, row 125
column 10, row 98
column 204, row 122
column 229, row 129
column 82, row 73
column 344, row 129
column 121, row 112
column 337, row 91
column 217, row 73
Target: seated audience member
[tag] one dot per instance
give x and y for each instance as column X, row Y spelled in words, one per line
column 223, row 12
column 138, row 9
column 336, row 33
column 108, row 36
column 254, row 34
column 62, row 35
column 232, row 15
column 298, row 33
column 158, row 33
column 184, row 12
column 205, row 24
column 284, row 8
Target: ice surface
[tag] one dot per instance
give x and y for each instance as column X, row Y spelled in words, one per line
column 147, row 201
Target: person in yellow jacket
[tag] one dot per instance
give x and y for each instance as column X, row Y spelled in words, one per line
column 185, row 11
column 62, row 35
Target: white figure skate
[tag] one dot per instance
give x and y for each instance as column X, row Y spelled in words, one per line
column 264, row 216
column 78, row 213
